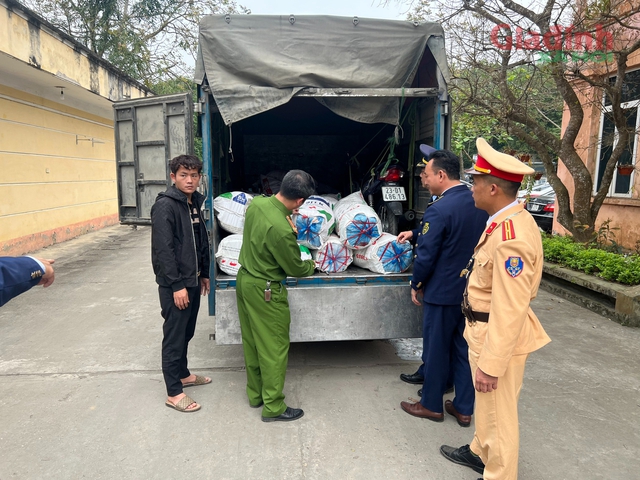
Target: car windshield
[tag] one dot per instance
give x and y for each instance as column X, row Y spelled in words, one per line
column 537, row 190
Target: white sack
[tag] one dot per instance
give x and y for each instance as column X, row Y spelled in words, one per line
column 315, row 221
column 228, row 254
column 357, row 223
column 230, row 208
column 385, row 255
column 333, row 256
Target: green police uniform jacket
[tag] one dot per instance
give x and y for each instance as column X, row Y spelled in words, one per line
column 269, row 248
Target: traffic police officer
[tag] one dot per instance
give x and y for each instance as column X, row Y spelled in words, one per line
column 268, row 255
column 450, row 229
column 502, row 330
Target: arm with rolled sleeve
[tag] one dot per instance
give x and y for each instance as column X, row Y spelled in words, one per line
column 428, row 247
column 510, row 300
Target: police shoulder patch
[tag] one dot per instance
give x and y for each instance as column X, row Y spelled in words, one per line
column 514, row 266
column 508, row 232
column 425, row 228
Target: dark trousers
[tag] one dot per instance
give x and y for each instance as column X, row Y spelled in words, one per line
column 179, row 327
column 445, row 354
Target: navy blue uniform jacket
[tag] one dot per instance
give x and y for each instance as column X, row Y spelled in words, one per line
column 451, row 228
column 17, row 275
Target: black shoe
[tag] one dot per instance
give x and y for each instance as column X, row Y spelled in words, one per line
column 413, row 378
column 448, row 390
column 289, row 415
column 463, row 456
column 257, row 406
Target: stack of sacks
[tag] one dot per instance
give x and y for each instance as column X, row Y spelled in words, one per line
column 385, row 255
column 228, row 254
column 315, row 222
column 230, row 208
column 358, row 224
column 333, row 256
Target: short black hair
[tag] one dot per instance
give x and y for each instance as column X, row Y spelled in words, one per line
column 190, row 162
column 446, row 161
column 297, row 184
column 509, row 188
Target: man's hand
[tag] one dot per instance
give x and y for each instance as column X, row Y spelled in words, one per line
column 181, row 299
column 485, row 383
column 404, row 236
column 414, row 295
column 205, row 286
column 48, row 277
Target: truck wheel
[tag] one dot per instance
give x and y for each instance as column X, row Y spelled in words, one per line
column 388, row 219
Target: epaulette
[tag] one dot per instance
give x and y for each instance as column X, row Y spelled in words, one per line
column 491, row 228
column 293, row 227
column 508, row 232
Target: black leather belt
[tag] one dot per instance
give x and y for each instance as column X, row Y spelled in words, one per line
column 479, row 316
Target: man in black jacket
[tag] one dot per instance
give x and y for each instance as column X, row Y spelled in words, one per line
column 180, row 258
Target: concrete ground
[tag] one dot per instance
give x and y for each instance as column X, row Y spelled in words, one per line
column 83, row 396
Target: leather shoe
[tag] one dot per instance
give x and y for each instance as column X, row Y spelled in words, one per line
column 289, row 415
column 413, row 378
column 417, row 410
column 463, row 456
column 448, row 390
column 463, row 420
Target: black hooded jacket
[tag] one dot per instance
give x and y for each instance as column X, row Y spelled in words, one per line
column 173, row 246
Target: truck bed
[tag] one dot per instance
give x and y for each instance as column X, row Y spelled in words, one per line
column 355, row 305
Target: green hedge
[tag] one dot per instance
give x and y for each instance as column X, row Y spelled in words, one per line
column 610, row 266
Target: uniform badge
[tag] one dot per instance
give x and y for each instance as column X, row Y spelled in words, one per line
column 425, row 229
column 508, row 232
column 514, row 266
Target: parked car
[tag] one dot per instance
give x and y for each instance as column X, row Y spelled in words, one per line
column 536, row 191
column 542, row 207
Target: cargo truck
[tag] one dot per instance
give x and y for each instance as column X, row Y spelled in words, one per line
column 333, row 96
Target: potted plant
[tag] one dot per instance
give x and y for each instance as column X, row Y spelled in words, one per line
column 625, row 169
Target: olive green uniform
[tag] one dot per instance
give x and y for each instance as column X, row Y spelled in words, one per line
column 269, row 252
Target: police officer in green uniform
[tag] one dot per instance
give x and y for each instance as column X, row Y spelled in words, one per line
column 269, row 254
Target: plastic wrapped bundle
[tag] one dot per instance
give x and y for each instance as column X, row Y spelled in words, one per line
column 228, row 253
column 315, row 222
column 358, row 223
column 305, row 254
column 230, row 208
column 333, row 256
column 385, row 255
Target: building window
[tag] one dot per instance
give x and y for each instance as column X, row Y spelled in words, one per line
column 621, row 185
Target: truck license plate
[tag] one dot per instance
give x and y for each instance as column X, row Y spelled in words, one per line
column 393, row 194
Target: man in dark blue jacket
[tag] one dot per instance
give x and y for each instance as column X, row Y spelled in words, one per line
column 450, row 230
column 19, row 274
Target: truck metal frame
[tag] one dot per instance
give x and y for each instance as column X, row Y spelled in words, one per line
column 355, row 305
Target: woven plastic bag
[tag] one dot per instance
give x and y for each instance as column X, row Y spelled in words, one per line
column 385, row 255
column 358, row 225
column 315, row 221
column 230, row 208
column 333, row 256
column 228, row 253
column 305, row 254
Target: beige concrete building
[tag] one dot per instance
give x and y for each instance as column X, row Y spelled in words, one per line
column 57, row 156
column 595, row 143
